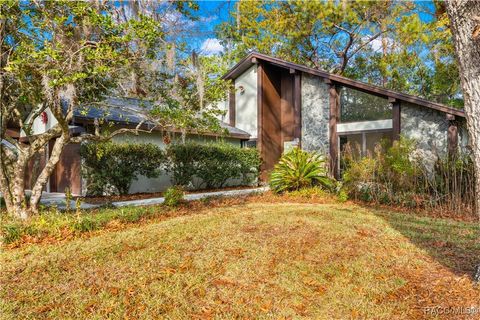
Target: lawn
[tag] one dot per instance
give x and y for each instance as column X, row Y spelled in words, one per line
column 252, row 260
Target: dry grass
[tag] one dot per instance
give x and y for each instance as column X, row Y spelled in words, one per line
column 256, row 260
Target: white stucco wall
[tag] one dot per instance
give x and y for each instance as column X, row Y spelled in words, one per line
column 38, row 127
column 246, row 102
column 144, row 184
column 223, row 106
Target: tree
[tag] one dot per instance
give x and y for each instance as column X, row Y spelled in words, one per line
column 65, row 55
column 386, row 43
column 465, row 25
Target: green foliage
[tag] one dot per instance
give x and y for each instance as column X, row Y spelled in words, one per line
column 11, row 232
column 112, row 167
column 212, row 165
column 52, row 223
column 298, row 169
column 69, row 55
column 402, row 175
column 86, row 224
column 401, row 45
column 342, row 195
column 174, row 196
column 390, row 168
column 68, row 199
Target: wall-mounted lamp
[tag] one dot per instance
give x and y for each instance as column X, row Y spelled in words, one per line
column 241, row 89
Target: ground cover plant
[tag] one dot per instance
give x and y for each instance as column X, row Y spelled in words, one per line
column 270, row 256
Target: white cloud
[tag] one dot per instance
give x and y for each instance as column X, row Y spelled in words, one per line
column 377, row 44
column 211, row 46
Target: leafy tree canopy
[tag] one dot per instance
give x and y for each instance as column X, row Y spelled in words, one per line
column 402, row 45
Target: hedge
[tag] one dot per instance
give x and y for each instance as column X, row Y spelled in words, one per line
column 211, row 165
column 110, row 168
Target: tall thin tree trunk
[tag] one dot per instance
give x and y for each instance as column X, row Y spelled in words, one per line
column 465, row 25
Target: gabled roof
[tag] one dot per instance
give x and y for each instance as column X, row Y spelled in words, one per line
column 130, row 112
column 255, row 57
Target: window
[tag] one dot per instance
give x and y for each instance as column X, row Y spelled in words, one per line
column 361, row 144
column 360, row 106
column 249, row 143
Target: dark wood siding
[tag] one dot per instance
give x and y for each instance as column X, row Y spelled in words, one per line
column 231, row 108
column 68, row 171
column 287, row 107
column 271, row 123
column 297, row 104
column 396, row 109
column 334, row 114
column 279, row 118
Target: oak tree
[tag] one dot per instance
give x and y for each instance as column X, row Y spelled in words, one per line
column 465, row 25
column 65, row 55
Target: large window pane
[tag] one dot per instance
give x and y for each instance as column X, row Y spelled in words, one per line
column 357, row 145
column 360, row 106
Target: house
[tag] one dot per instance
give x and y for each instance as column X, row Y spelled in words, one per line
column 116, row 113
column 276, row 105
column 283, row 104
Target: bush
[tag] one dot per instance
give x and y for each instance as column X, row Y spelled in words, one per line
column 397, row 175
column 112, row 167
column 313, row 192
column 86, row 224
column 174, row 196
column 299, row 169
column 211, row 165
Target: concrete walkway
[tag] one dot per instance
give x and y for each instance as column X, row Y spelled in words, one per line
column 58, row 199
column 191, row 197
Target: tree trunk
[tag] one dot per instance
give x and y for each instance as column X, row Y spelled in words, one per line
column 46, row 172
column 19, row 199
column 465, row 25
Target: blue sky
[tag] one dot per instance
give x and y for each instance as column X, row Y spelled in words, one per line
column 212, row 13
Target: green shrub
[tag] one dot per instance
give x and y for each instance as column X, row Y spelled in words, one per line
column 400, row 175
column 299, row 169
column 312, row 192
column 342, row 196
column 86, row 224
column 112, row 167
column 211, row 165
column 174, row 196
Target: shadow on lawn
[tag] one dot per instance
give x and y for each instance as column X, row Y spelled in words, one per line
column 454, row 244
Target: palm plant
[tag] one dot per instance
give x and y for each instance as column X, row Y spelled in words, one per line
column 299, row 169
